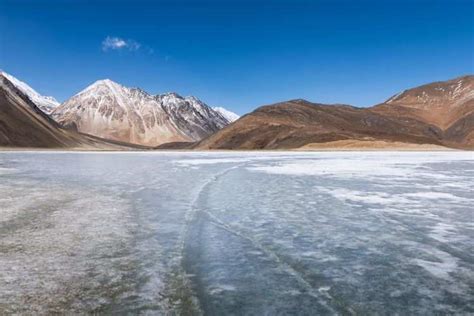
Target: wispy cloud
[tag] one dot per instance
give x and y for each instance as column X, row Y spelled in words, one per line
column 117, row 43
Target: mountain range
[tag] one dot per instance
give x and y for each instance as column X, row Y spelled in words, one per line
column 109, row 110
column 24, row 124
column 109, row 115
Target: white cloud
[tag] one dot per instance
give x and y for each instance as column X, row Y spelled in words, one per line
column 117, row 43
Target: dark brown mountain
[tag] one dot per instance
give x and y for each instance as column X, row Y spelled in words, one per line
column 294, row 124
column 23, row 124
column 438, row 114
column 461, row 133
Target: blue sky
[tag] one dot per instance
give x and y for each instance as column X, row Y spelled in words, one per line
column 239, row 54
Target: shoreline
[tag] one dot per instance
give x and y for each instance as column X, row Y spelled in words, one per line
column 334, row 146
column 298, row 150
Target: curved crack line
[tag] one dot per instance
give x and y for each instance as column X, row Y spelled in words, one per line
column 189, row 219
column 278, row 260
column 195, row 210
column 191, row 214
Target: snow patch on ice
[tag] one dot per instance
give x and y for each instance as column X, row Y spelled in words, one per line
column 441, row 267
column 220, row 288
column 7, row 170
column 436, row 196
column 194, row 162
column 397, row 166
column 443, row 232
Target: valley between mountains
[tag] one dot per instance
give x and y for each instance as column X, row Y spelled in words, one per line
column 109, row 116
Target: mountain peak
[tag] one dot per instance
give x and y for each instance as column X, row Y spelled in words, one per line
column 171, row 95
column 192, row 98
column 106, row 82
column 229, row 115
column 101, row 87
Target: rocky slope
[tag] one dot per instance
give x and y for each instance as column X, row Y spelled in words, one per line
column 448, row 105
column 229, row 115
column 109, row 110
column 440, row 103
column 440, row 113
column 44, row 103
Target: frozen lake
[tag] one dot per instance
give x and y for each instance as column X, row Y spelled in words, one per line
column 237, row 233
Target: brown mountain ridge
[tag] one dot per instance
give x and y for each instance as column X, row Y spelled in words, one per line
column 440, row 114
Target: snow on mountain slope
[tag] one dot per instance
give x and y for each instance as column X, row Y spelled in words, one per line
column 440, row 103
column 44, row 103
column 230, row 116
column 109, row 110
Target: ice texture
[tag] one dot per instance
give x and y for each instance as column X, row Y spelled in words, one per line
column 244, row 233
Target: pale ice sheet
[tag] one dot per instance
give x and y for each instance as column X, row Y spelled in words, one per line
column 241, row 233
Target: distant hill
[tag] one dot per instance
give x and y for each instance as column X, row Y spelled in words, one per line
column 440, row 113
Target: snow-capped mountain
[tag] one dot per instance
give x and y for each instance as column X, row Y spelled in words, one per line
column 109, row 110
column 44, row 103
column 229, row 115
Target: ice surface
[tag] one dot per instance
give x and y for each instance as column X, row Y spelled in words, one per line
column 236, row 233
